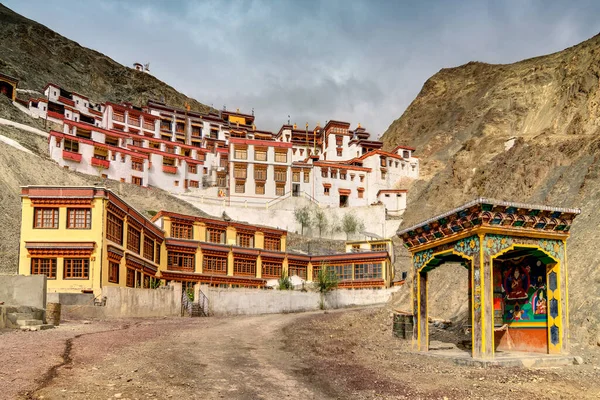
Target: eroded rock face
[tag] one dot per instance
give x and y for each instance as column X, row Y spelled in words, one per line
column 37, row 55
column 525, row 132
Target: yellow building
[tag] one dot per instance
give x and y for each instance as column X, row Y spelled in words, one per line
column 84, row 238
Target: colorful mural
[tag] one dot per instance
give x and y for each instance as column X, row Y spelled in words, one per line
column 523, row 286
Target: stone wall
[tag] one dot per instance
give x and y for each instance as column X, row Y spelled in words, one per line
column 20, row 290
column 254, row 301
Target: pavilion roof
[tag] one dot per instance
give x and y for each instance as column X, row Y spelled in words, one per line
column 484, row 212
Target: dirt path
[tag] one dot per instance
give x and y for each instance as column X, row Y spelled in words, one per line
column 233, row 358
column 344, row 354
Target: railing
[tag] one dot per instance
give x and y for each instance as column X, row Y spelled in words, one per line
column 118, row 118
column 70, row 155
column 169, row 169
column 98, row 162
column 194, row 308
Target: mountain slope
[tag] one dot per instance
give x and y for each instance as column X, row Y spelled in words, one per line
column 526, row 132
column 37, row 55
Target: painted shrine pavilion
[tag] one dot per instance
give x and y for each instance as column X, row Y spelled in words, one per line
column 516, row 255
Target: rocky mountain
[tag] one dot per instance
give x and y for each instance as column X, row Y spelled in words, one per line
column 37, row 55
column 525, row 132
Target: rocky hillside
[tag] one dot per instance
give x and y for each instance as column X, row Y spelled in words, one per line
column 37, row 55
column 527, row 132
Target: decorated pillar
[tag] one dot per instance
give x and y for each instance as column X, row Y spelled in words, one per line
column 422, row 318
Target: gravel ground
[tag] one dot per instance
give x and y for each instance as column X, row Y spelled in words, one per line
column 333, row 355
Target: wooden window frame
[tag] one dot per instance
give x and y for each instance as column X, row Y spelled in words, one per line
column 74, row 221
column 149, row 248
column 281, row 157
column 306, row 176
column 368, row 270
column 211, row 235
column 180, row 261
column 114, row 228
column 130, row 278
column 272, row 243
column 259, row 188
column 240, row 186
column 136, row 180
column 182, row 230
column 40, row 219
column 244, row 267
column 192, row 169
column 44, row 266
column 137, row 165
column 260, row 152
column 280, row 190
column 134, row 236
column 214, row 264
column 240, row 153
column 113, row 271
column 243, row 239
column 272, row 269
column 70, row 266
column 260, row 173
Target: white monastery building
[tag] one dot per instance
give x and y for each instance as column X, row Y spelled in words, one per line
column 223, row 155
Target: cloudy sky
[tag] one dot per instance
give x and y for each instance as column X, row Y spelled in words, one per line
column 352, row 60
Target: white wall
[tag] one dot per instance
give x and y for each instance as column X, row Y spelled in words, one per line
column 255, row 301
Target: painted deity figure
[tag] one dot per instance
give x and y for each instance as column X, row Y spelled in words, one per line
column 540, row 303
column 516, row 285
column 518, row 314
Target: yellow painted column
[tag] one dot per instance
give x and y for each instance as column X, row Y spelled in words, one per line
column 197, row 231
column 167, row 226
column 309, row 272
column 259, row 240
column 259, row 266
column 230, row 263
column 231, row 236
column 284, row 266
column 201, row 232
column 283, row 242
column 199, row 260
column 125, row 227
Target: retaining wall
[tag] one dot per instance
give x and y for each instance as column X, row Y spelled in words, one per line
column 21, row 290
column 254, row 301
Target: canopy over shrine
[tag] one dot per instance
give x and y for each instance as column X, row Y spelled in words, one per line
column 516, row 255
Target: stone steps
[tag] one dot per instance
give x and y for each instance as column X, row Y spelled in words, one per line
column 39, row 327
column 29, row 322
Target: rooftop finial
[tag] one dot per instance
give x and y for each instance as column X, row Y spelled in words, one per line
column 359, row 124
column 295, row 126
column 237, row 110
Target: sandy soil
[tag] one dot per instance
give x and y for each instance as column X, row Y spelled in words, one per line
column 343, row 354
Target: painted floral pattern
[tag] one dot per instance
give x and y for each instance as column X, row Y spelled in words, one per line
column 553, row 247
column 468, row 246
column 494, row 244
column 421, row 258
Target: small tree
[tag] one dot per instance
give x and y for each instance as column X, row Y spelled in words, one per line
column 303, row 217
column 285, row 283
column 327, row 280
column 320, row 220
column 350, row 225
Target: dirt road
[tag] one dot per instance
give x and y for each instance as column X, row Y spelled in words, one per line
column 347, row 354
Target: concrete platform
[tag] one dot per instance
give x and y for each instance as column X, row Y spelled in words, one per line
column 504, row 359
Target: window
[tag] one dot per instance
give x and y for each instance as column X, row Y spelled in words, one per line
column 71, row 145
column 343, row 175
column 324, row 173
column 157, row 256
column 334, row 174
column 196, row 131
column 192, row 169
column 133, row 239
column 281, row 156
column 130, row 278
column 260, row 154
column 243, row 266
column 149, row 125
column 221, row 179
column 259, row 188
column 114, row 228
column 295, row 175
column 338, row 151
column 181, row 261
column 343, row 272
column 326, row 191
column 298, row 270
column 245, row 239
column 215, row 235
column 240, row 186
column 76, row 268
column 351, row 177
column 45, row 218
column 241, row 153
column 382, row 161
column 44, row 266
column 176, row 183
column 280, row 175
column 113, row 272
column 361, row 193
column 279, row 190
column 181, row 230
column 271, row 269
column 239, row 171
column 194, row 184
column 137, row 165
column 272, row 243
column 339, row 140
column 383, row 174
column 260, row 173
column 355, row 248
column 79, row 218
column 148, row 248
column 136, row 180
column 378, row 247
column 137, row 142
column 135, row 121
column 406, row 154
column 179, row 127
column 362, row 178
column 367, row 271
column 214, row 264
column 306, row 176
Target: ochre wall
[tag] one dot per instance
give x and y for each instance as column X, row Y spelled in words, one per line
column 523, row 339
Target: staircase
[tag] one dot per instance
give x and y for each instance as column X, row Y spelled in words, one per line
column 26, row 318
column 196, row 308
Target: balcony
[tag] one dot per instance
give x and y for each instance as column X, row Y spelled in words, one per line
column 118, row 118
column 169, row 169
column 98, row 162
column 70, row 155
